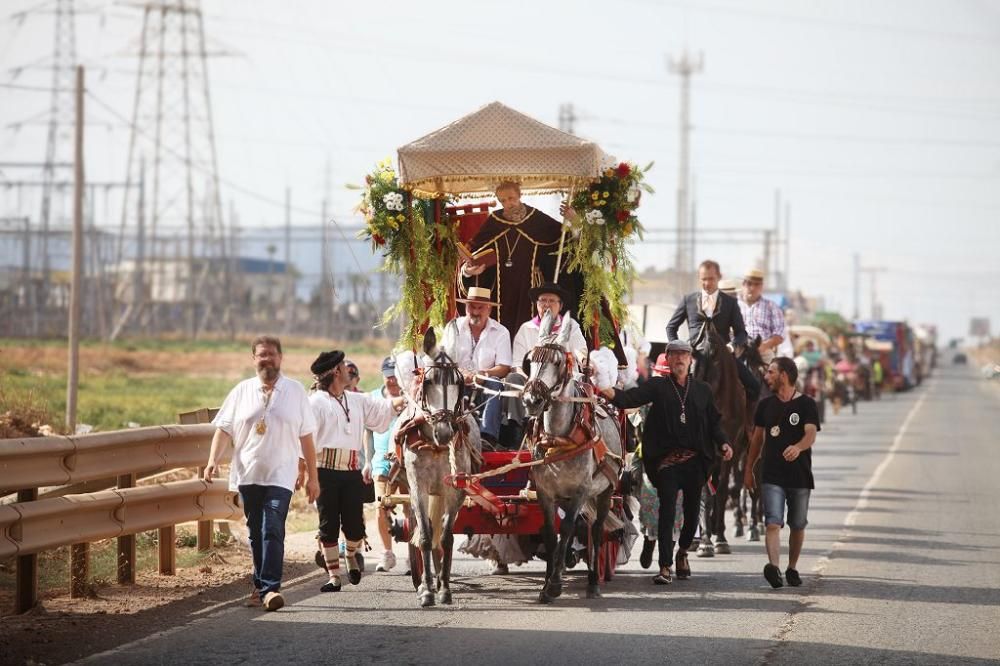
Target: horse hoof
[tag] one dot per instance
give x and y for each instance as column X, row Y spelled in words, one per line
column 722, row 548
column 739, row 531
column 444, row 597
column 593, row 592
column 554, row 590
column 427, row 599
column 706, row 550
column 753, row 534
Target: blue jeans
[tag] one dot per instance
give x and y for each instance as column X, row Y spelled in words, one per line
column 775, row 498
column 490, row 423
column 266, row 508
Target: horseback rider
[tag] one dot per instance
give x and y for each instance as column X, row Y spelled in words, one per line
column 761, row 316
column 482, row 347
column 678, row 448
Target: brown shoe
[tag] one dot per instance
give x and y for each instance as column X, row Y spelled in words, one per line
column 681, row 562
column 664, row 577
column 273, row 601
column 253, row 601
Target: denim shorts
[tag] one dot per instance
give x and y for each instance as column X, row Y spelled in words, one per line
column 775, row 498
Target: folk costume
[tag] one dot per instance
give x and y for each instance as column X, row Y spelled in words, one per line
column 340, row 433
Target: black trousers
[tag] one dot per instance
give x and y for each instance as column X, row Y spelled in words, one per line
column 689, row 477
column 340, row 504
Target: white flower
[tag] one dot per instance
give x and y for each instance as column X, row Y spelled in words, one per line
column 595, row 216
column 633, row 194
column 393, row 201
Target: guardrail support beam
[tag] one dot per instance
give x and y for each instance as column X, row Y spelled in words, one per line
column 205, row 527
column 126, row 544
column 168, row 554
column 79, row 569
column 26, row 593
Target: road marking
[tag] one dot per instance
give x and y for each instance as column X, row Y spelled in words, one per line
column 873, row 481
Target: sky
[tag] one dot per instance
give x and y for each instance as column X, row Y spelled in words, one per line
column 877, row 120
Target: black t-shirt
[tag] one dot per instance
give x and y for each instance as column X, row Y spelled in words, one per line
column 784, row 424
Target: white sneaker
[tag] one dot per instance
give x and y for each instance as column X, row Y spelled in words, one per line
column 388, row 561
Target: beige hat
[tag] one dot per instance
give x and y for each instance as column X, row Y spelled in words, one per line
column 754, row 274
column 478, row 295
column 728, row 286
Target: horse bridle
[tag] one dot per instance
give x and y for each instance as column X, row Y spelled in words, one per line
column 549, row 352
column 443, row 364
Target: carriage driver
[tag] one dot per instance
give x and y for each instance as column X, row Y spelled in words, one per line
column 482, row 347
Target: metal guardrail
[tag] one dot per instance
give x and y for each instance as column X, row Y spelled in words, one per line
column 56, row 461
column 68, row 465
column 31, row 527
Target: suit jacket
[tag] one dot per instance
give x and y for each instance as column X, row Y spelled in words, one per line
column 661, row 431
column 726, row 316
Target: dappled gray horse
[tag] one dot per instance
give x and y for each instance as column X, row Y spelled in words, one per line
column 437, row 436
column 582, row 454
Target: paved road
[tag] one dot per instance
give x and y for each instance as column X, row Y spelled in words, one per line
column 902, row 566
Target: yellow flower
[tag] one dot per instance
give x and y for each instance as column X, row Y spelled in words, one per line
column 393, row 223
column 386, row 176
column 595, row 196
column 609, row 173
column 601, row 202
column 401, row 218
column 627, row 228
column 605, row 195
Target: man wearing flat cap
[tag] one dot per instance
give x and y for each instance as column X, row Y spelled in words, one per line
column 681, row 442
column 482, row 350
column 341, row 419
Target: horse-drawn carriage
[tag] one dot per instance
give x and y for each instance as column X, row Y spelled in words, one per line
column 572, row 448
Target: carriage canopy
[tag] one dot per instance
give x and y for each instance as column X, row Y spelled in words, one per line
column 496, row 143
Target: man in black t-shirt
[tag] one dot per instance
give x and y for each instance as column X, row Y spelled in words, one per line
column 786, row 426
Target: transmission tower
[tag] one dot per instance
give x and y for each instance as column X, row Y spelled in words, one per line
column 172, row 131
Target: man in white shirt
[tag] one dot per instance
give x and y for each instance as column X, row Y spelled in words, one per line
column 482, row 347
column 547, row 297
column 341, row 419
column 270, row 424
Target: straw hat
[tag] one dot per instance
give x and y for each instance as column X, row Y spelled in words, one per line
column 478, row 295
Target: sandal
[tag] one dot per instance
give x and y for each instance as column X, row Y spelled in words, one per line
column 683, row 568
column 664, row 577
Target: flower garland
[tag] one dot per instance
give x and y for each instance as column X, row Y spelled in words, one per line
column 416, row 246
column 606, row 224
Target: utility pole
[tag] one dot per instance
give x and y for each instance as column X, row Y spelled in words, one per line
column 876, row 307
column 684, row 67
column 775, row 237
column 567, row 117
column 788, row 246
column 289, row 279
column 75, row 295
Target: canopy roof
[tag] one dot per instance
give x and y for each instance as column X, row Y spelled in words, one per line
column 496, row 143
column 814, row 333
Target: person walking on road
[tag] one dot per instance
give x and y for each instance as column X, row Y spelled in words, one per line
column 786, row 424
column 678, row 448
column 342, row 416
column 269, row 422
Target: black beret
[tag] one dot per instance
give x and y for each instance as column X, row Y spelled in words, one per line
column 326, row 361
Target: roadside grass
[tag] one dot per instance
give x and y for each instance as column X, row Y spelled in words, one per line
column 242, row 344
column 53, row 565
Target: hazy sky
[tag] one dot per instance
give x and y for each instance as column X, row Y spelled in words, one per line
column 879, row 121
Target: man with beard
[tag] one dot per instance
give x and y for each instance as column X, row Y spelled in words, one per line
column 342, row 416
column 269, row 422
column 786, row 426
column 678, row 448
column 482, row 347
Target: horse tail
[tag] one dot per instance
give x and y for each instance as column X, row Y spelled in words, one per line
column 435, row 509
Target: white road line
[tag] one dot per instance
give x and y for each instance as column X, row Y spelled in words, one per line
column 873, row 481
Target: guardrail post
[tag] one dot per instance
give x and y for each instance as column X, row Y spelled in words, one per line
column 26, row 594
column 168, row 554
column 205, row 527
column 79, row 569
column 126, row 544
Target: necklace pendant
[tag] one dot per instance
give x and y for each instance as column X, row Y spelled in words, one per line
column 508, row 263
column 684, row 418
column 261, row 427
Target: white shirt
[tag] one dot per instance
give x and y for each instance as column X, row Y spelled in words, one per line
column 708, row 301
column 527, row 338
column 272, row 458
column 492, row 349
column 336, row 430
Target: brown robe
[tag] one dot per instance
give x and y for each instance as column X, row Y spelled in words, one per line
column 526, row 257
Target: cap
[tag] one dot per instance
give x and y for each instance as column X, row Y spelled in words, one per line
column 679, row 346
column 326, row 361
column 388, row 367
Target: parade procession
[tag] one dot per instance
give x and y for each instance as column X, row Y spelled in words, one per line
column 356, row 351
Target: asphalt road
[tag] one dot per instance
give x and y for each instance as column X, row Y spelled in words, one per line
column 901, row 566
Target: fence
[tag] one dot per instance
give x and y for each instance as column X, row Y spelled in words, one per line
column 32, row 525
